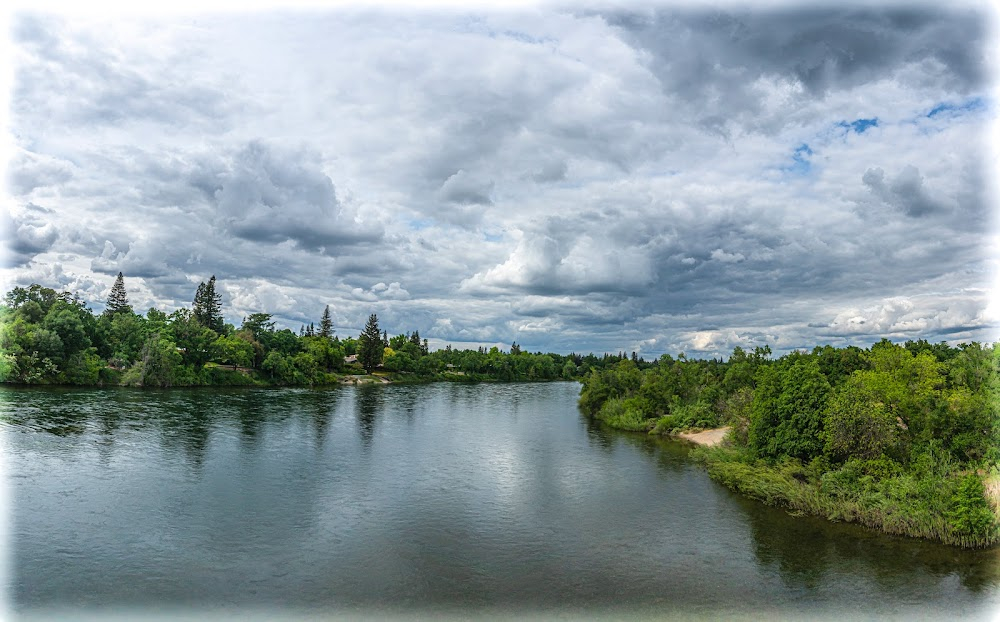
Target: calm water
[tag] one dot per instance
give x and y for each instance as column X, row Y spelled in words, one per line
column 396, row 500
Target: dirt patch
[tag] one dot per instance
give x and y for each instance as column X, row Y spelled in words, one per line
column 709, row 438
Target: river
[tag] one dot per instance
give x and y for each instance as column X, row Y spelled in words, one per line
column 498, row 499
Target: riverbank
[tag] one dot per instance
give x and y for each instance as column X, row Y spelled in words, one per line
column 955, row 507
column 933, row 504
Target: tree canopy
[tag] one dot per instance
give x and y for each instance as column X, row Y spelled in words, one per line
column 371, row 346
column 118, row 299
column 207, row 307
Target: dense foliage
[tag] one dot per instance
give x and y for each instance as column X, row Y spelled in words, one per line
column 47, row 337
column 898, row 437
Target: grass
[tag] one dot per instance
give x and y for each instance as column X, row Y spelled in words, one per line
column 923, row 505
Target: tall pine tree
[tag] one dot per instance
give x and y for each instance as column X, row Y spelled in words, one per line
column 207, row 306
column 326, row 324
column 118, row 299
column 370, row 346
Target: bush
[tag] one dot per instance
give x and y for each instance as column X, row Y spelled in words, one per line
column 970, row 517
column 623, row 414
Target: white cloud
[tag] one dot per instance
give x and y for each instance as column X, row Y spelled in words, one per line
column 604, row 181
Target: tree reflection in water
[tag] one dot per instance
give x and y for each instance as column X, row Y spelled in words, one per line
column 186, row 424
column 804, row 549
column 369, row 403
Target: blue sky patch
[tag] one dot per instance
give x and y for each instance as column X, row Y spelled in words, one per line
column 974, row 104
column 859, row 125
column 800, row 160
column 420, row 224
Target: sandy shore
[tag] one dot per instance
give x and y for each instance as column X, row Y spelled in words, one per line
column 707, row 437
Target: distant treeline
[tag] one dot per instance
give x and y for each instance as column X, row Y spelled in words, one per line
column 49, row 337
column 898, row 437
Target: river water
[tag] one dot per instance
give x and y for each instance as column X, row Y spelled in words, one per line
column 443, row 499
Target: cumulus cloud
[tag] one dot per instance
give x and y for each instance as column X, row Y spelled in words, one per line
column 465, row 189
column 28, row 170
column 381, row 291
column 271, row 196
column 724, row 257
column 905, row 191
column 139, row 259
column 28, row 234
column 558, row 263
column 606, row 179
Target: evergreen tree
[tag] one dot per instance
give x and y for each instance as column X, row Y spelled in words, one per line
column 118, row 299
column 370, row 346
column 207, row 307
column 326, row 324
column 385, row 339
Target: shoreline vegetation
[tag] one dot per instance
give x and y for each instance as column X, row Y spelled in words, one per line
column 904, row 439
column 53, row 338
column 900, row 438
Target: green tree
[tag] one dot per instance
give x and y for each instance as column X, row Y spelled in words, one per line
column 157, row 364
column 118, row 299
column 370, row 346
column 158, row 322
column 970, row 516
column 858, row 424
column 786, row 417
column 234, row 350
column 258, row 324
column 65, row 320
column 125, row 334
column 326, row 324
column 284, row 341
column 278, row 367
column 399, row 362
column 197, row 342
column 207, row 306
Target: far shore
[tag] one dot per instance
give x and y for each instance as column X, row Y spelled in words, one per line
column 709, row 438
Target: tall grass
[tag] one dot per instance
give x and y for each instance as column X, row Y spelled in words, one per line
column 940, row 506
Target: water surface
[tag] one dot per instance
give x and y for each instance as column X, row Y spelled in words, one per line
column 445, row 498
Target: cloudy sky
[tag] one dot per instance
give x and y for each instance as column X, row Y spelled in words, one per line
column 573, row 177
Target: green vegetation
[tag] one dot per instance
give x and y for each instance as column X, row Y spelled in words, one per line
column 897, row 437
column 47, row 337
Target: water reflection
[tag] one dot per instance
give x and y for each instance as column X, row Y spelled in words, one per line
column 455, row 500
column 599, row 435
column 187, row 425
column 250, row 412
column 795, row 548
column 369, row 404
column 806, row 550
column 321, row 406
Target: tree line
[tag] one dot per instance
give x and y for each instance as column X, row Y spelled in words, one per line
column 899, row 437
column 50, row 337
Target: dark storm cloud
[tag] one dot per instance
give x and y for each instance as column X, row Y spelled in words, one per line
column 711, row 59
